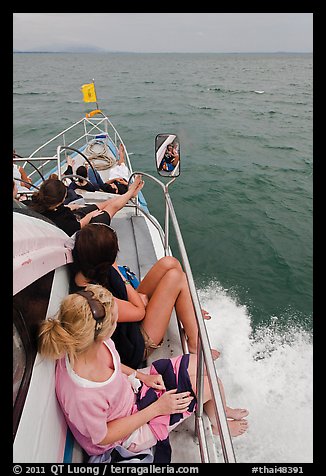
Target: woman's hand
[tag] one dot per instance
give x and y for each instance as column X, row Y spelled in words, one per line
column 144, row 298
column 94, row 213
column 121, row 180
column 153, row 381
column 172, row 402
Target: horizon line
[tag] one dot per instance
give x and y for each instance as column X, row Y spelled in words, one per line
column 162, row 52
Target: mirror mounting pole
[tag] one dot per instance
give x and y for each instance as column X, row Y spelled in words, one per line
column 167, row 216
column 167, row 198
column 169, row 183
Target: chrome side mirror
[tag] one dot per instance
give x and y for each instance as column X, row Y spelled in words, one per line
column 167, row 155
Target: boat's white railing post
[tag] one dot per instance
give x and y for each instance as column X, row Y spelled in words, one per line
column 199, row 424
column 204, row 348
column 88, row 129
column 58, row 161
column 85, row 130
column 54, row 138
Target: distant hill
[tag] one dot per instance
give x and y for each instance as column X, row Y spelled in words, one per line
column 95, row 49
column 62, row 49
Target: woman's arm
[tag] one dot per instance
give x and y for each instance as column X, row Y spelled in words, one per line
column 122, row 427
column 130, row 311
column 87, row 218
column 134, row 309
column 151, row 380
column 24, row 176
column 175, row 159
column 169, row 402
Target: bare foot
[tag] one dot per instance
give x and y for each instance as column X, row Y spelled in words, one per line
column 215, row 354
column 136, row 186
column 70, row 161
column 236, row 413
column 236, row 427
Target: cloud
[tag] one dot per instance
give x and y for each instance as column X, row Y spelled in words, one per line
column 160, row 32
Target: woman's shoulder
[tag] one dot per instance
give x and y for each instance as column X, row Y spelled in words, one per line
column 110, row 344
column 61, row 210
column 115, row 284
column 112, row 271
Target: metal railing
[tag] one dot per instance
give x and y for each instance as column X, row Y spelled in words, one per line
column 90, row 129
column 204, row 350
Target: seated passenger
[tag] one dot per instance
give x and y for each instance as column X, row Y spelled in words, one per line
column 49, row 201
column 115, row 185
column 82, row 184
column 117, row 175
column 106, row 403
column 147, row 309
column 20, row 176
column 170, row 159
column 17, row 203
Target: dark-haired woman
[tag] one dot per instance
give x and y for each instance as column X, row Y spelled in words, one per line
column 149, row 306
column 95, row 182
column 49, row 201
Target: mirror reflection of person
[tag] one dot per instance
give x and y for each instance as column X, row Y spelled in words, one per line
column 170, row 158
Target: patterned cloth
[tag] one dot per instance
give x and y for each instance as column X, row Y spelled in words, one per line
column 119, row 454
column 175, row 375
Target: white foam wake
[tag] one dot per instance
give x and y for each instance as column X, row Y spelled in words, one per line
column 270, row 374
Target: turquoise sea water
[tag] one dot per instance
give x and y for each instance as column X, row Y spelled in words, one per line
column 243, row 200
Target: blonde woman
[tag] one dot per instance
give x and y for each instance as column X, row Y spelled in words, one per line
column 107, row 404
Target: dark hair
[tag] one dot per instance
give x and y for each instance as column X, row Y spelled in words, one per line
column 51, row 193
column 96, row 248
column 82, row 171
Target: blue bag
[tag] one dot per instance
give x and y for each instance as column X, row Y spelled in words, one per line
column 129, row 275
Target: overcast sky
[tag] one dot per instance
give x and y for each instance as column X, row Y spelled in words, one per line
column 165, row 32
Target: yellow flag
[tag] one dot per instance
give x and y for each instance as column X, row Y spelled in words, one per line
column 89, row 94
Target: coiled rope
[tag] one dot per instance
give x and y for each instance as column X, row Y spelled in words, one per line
column 99, row 155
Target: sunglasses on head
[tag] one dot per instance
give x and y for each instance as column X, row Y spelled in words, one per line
column 97, row 308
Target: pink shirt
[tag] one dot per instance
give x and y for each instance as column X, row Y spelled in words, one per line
column 88, row 405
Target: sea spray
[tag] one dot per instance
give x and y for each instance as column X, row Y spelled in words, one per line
column 268, row 371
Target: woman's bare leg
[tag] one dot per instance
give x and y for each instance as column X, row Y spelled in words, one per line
column 121, row 155
column 113, row 205
column 236, row 426
column 156, row 273
column 166, row 295
column 180, row 298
